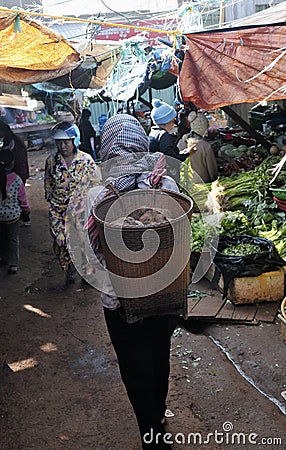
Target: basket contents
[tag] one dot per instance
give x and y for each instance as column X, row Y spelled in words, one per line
column 143, row 217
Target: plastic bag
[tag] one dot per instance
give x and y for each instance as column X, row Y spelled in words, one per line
column 232, row 266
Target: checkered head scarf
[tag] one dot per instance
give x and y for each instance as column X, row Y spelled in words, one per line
column 124, row 152
column 123, row 141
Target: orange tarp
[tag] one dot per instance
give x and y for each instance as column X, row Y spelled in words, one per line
column 34, row 53
column 234, row 66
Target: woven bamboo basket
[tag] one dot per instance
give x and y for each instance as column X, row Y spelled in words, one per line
column 152, row 282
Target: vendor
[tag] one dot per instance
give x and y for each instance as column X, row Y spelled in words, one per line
column 161, row 139
column 202, row 157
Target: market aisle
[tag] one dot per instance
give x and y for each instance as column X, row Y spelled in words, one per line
column 60, row 385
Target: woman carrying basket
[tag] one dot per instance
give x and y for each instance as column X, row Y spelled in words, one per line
column 143, row 347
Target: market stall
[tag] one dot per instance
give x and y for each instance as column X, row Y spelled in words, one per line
column 27, row 117
column 33, row 134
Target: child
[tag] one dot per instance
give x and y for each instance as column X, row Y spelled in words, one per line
column 13, row 202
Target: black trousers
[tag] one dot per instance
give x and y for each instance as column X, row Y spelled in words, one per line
column 143, row 353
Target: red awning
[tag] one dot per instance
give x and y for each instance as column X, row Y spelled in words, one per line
column 234, row 66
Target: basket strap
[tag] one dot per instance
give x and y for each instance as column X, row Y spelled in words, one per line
column 114, row 190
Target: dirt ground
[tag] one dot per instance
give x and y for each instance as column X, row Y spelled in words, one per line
column 60, row 387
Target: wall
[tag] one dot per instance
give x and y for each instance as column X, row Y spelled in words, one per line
column 245, row 8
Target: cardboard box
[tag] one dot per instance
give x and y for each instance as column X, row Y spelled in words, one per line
column 267, row 287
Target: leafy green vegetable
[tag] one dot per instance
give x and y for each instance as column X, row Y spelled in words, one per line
column 201, row 234
column 235, row 223
column 242, row 249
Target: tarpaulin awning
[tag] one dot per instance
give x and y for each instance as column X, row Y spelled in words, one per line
column 233, row 66
column 31, row 52
column 93, row 72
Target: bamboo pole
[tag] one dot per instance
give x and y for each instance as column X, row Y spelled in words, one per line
column 221, row 13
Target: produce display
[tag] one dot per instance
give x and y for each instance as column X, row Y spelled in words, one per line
column 248, row 208
column 232, row 159
column 242, row 249
column 232, row 192
column 203, row 230
column 253, row 210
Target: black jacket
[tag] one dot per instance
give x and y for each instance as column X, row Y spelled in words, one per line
column 162, row 141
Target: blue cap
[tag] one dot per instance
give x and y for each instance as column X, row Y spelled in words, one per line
column 162, row 113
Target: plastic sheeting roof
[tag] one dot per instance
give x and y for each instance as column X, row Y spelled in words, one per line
column 31, row 52
column 97, row 65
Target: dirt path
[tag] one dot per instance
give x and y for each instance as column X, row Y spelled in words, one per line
column 60, row 385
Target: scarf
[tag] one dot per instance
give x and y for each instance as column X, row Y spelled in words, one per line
column 123, row 141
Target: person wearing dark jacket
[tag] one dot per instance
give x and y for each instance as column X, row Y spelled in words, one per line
column 87, row 134
column 160, row 139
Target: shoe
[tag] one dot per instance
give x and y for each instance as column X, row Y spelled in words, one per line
column 13, row 269
column 23, row 223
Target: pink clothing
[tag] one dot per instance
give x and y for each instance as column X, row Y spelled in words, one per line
column 16, row 200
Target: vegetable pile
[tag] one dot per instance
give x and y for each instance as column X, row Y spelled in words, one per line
column 249, row 206
column 233, row 159
column 232, row 192
column 242, row 249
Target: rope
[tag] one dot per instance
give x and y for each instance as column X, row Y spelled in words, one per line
column 266, row 69
column 98, row 22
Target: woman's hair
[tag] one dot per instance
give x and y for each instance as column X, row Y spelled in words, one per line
column 9, row 135
column 6, row 162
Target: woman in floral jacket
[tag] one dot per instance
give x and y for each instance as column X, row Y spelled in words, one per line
column 64, row 171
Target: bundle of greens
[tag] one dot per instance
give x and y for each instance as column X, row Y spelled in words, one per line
column 232, row 192
column 202, row 232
